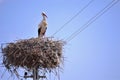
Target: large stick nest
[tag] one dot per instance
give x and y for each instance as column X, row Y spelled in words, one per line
column 35, row 52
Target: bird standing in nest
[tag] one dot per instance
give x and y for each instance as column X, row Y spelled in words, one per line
column 42, row 27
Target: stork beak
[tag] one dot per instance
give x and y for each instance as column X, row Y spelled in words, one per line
column 44, row 15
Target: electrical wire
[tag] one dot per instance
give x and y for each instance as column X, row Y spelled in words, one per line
column 93, row 19
column 73, row 17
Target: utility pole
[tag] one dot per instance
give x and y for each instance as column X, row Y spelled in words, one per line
column 35, row 74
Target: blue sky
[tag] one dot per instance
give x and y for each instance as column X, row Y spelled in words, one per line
column 94, row 54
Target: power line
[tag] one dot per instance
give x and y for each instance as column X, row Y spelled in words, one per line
column 93, row 19
column 73, row 17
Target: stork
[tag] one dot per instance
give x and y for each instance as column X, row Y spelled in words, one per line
column 42, row 27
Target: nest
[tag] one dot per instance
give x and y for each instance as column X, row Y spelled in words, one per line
column 35, row 52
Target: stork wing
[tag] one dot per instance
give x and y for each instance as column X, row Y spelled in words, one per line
column 39, row 31
column 45, row 31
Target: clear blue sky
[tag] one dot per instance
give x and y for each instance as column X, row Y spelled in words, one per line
column 92, row 55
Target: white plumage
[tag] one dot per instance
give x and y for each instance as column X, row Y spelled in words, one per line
column 42, row 27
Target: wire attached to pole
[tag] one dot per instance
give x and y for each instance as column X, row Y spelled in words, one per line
column 93, row 19
column 73, row 17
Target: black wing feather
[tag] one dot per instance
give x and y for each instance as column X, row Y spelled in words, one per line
column 39, row 30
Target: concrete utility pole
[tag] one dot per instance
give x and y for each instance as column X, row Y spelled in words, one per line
column 35, row 74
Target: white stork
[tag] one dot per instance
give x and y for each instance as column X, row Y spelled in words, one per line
column 42, row 27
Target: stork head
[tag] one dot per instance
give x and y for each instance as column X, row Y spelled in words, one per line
column 43, row 14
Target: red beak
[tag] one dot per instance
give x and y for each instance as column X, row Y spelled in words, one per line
column 44, row 15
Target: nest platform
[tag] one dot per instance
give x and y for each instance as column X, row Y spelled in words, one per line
column 34, row 52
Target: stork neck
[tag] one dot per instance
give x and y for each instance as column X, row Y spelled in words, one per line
column 44, row 18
